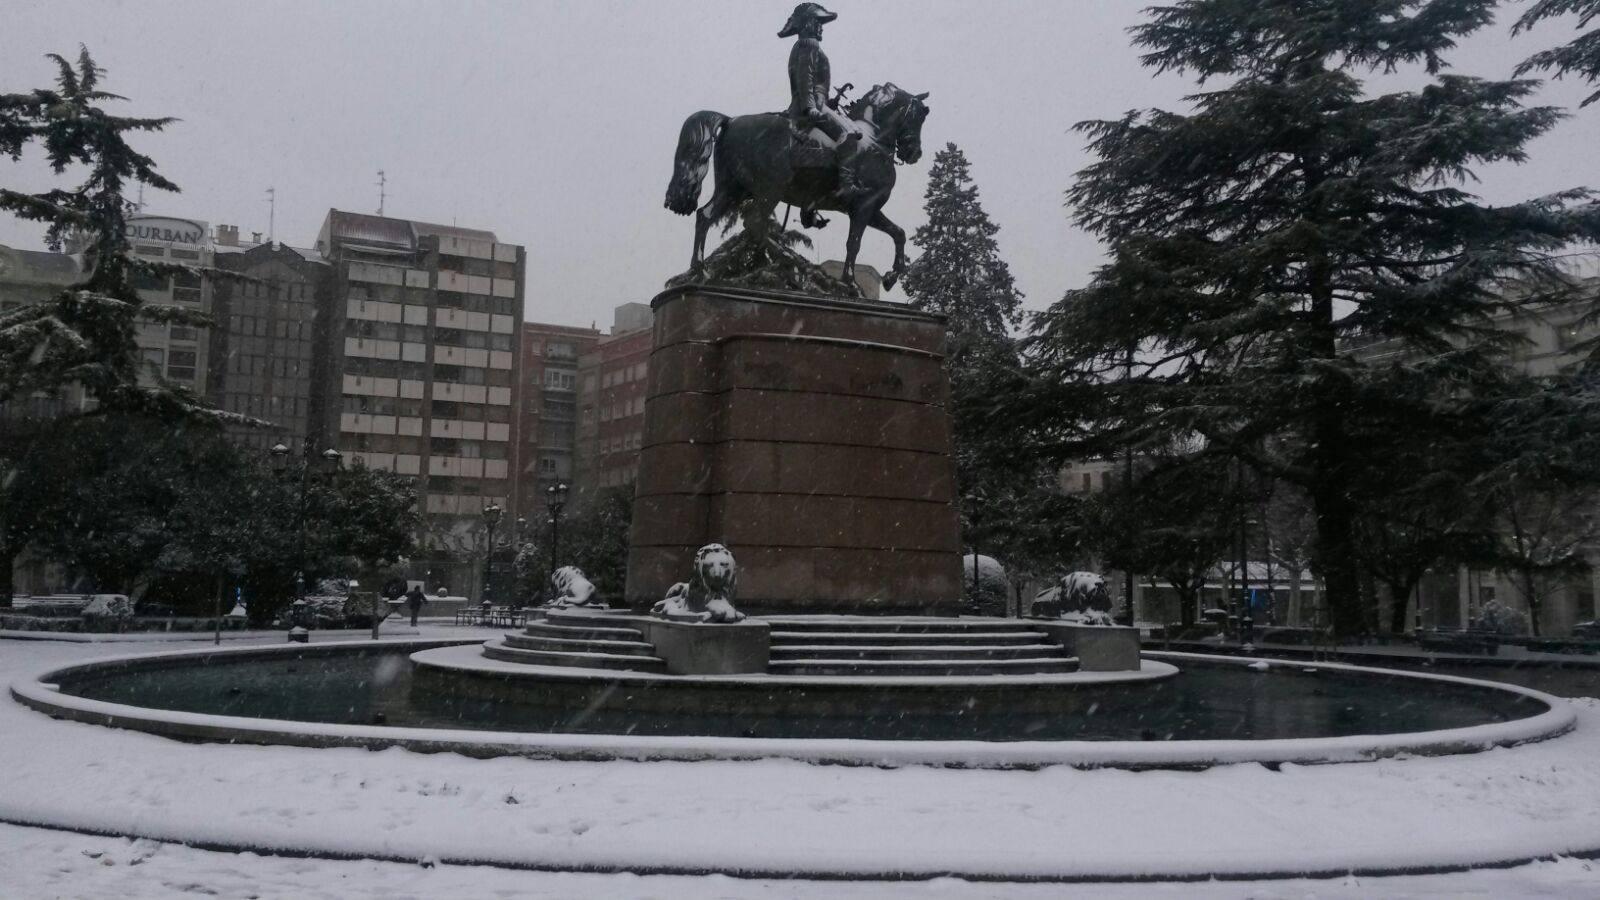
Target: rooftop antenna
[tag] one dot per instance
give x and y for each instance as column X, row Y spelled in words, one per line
column 272, row 213
column 383, row 183
column 139, row 203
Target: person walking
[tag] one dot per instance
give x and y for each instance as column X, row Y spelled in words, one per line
column 414, row 601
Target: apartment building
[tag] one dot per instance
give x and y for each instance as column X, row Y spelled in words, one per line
column 611, row 401
column 261, row 359
column 547, row 412
column 424, row 357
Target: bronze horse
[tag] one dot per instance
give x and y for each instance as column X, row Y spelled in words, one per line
column 761, row 157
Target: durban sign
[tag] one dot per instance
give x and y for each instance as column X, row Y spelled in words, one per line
column 167, row 231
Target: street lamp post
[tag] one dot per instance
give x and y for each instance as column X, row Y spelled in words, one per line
column 280, row 458
column 555, row 497
column 491, row 518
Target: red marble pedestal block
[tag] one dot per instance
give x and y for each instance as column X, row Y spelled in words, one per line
column 811, row 436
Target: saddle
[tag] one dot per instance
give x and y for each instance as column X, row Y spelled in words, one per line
column 812, row 150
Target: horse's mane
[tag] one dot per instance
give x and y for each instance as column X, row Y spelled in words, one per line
column 879, row 97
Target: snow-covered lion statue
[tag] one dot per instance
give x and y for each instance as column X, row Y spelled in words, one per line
column 708, row 594
column 569, row 587
column 1080, row 597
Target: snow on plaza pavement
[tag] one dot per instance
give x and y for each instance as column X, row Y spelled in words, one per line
column 772, row 817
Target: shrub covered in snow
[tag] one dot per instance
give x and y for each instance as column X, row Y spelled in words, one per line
column 992, row 590
column 1498, row 618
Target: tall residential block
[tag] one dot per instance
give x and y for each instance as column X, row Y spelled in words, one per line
column 547, row 412
column 423, row 361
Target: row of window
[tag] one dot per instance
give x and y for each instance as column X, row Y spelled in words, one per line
column 503, row 306
column 466, row 449
column 467, row 265
column 439, row 484
column 257, row 364
column 265, row 406
column 418, row 334
column 623, row 376
column 554, row 349
column 623, row 410
column 620, row 443
column 416, row 371
column 440, row 409
column 264, row 326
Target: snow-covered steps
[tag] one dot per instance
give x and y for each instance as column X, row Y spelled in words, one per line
column 878, row 646
column 579, row 639
column 501, row 650
column 578, row 645
column 919, row 650
column 584, row 632
column 972, row 638
column 841, row 666
column 899, row 624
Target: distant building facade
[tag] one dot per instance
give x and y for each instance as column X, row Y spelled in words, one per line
column 424, row 363
column 611, row 393
column 262, row 359
column 547, row 411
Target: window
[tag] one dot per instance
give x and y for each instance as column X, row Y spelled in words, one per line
column 181, row 364
column 147, row 250
column 1088, row 482
column 182, row 333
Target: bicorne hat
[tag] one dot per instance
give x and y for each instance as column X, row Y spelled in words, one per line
column 803, row 13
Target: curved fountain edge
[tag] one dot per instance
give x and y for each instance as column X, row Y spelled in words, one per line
column 39, row 693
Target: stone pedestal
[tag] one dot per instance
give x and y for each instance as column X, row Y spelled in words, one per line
column 1099, row 648
column 811, row 436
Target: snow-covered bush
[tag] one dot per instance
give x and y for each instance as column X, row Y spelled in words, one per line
column 1498, row 618
column 109, row 607
column 993, row 588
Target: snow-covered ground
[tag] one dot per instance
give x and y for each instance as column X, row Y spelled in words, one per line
column 38, row 863
column 768, row 817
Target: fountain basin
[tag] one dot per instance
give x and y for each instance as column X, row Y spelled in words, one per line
column 324, row 695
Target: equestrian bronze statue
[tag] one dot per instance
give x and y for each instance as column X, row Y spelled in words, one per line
column 818, row 154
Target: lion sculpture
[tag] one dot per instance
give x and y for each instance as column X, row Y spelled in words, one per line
column 708, row 594
column 1080, row 597
column 569, row 588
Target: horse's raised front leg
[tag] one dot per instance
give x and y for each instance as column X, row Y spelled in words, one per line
column 898, row 235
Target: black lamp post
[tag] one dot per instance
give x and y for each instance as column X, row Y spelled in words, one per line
column 280, row 459
column 555, row 497
column 491, row 518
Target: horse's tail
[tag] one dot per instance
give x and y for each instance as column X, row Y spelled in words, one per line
column 695, row 143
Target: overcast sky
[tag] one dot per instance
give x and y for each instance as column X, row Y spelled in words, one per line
column 554, row 123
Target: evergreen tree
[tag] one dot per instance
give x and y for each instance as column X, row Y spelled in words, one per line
column 1580, row 56
column 1006, row 503
column 85, row 335
column 1286, row 219
column 960, row 273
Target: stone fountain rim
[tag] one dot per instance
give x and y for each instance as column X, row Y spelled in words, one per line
column 41, row 693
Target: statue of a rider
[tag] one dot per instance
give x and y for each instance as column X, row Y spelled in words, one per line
column 810, row 106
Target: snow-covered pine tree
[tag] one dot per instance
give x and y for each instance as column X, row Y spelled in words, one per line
column 85, row 335
column 959, row 272
column 1580, row 56
column 1285, row 219
column 961, row 275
